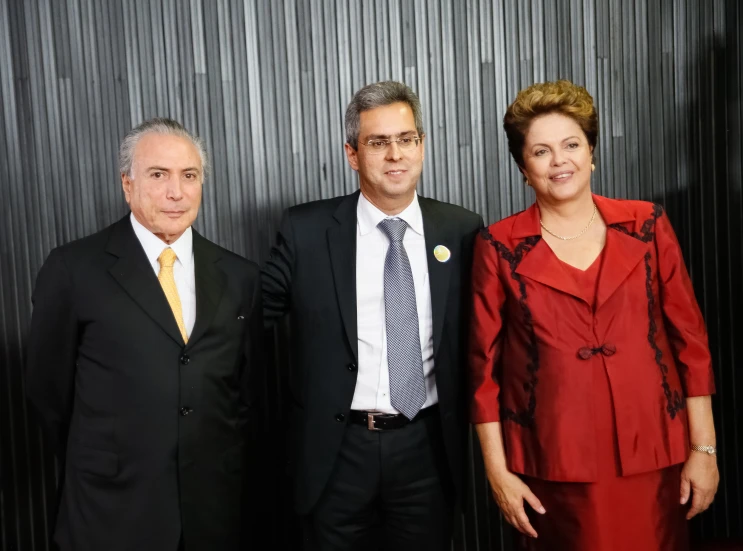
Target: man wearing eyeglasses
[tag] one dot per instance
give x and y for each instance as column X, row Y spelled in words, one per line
column 374, row 282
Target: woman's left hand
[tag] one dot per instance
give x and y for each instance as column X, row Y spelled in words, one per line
column 699, row 478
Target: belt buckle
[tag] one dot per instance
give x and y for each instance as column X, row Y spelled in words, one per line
column 370, row 420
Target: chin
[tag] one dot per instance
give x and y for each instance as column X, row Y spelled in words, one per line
column 173, row 229
column 569, row 192
column 400, row 190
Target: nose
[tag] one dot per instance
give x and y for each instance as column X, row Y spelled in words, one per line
column 174, row 191
column 558, row 158
column 393, row 152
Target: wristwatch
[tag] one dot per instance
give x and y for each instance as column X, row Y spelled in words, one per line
column 709, row 450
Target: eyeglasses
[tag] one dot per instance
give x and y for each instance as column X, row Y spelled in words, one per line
column 406, row 143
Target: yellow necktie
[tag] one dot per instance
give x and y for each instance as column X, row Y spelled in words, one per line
column 167, row 281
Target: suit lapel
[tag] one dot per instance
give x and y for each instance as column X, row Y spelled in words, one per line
column 210, row 283
column 134, row 273
column 622, row 254
column 542, row 265
column 438, row 272
column 342, row 250
column 623, row 251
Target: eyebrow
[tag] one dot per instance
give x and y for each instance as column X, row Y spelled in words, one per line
column 563, row 141
column 387, row 136
column 163, row 169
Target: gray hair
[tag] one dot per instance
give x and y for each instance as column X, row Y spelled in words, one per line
column 376, row 95
column 157, row 126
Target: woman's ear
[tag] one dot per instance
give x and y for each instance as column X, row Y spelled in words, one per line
column 526, row 180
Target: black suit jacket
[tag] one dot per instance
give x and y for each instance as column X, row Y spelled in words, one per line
column 152, row 429
column 312, row 274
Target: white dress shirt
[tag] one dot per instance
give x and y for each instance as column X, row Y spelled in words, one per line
column 373, row 382
column 183, row 269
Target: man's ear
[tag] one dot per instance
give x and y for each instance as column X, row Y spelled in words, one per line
column 126, row 185
column 353, row 157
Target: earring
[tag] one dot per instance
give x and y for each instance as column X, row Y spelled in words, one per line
column 593, row 167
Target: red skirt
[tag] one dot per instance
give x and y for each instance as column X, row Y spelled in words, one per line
column 616, row 513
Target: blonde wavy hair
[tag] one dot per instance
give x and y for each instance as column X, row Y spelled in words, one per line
column 543, row 98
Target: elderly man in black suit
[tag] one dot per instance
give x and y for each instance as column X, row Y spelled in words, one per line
column 374, row 282
column 144, row 340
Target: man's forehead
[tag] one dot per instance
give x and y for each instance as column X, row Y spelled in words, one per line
column 156, row 138
column 165, row 145
column 165, row 152
column 392, row 120
column 399, row 109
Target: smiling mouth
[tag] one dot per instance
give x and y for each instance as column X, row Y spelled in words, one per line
column 395, row 172
column 561, row 176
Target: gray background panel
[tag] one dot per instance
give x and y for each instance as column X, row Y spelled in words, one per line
column 266, row 84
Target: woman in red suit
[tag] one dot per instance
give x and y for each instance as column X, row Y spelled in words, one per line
column 589, row 359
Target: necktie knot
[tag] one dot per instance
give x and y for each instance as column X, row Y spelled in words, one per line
column 167, row 258
column 393, row 228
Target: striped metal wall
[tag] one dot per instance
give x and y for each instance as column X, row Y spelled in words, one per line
column 266, row 84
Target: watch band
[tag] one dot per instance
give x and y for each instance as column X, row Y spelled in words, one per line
column 709, row 450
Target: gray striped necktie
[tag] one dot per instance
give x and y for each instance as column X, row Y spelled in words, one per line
column 407, row 388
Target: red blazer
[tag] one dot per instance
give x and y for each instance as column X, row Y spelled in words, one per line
column 535, row 342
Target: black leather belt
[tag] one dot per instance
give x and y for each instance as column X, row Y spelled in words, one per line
column 386, row 421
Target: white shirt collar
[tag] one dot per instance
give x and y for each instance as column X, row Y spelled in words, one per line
column 369, row 216
column 153, row 246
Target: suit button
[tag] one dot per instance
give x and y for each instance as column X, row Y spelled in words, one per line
column 608, row 349
column 351, row 367
column 185, row 411
column 185, row 359
column 340, row 417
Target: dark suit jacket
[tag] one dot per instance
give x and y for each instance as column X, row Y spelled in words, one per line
column 312, row 273
column 536, row 343
column 153, row 430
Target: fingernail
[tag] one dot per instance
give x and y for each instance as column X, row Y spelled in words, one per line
column 541, row 510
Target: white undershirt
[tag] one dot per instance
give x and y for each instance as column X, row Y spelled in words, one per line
column 183, row 269
column 373, row 382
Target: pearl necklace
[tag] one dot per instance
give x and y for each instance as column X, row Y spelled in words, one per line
column 584, row 230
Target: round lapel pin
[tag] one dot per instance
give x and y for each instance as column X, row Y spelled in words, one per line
column 441, row 253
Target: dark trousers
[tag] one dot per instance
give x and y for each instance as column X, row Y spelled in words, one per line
column 389, row 490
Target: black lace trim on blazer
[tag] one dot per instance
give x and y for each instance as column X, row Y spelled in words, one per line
column 526, row 417
column 673, row 398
